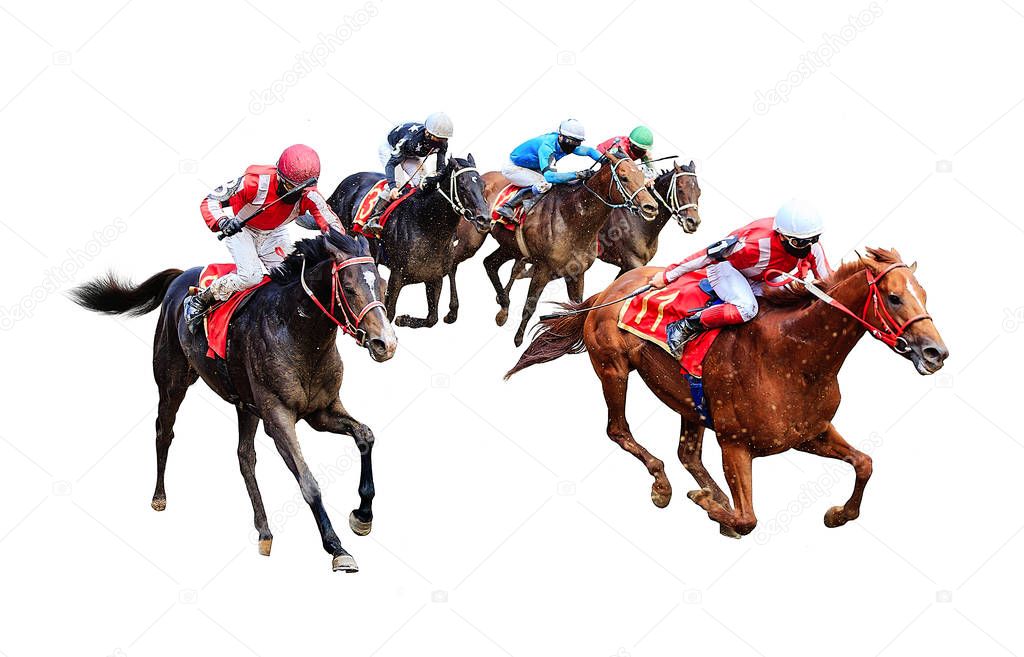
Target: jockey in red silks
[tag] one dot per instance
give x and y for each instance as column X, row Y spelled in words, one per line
column 739, row 266
column 260, row 244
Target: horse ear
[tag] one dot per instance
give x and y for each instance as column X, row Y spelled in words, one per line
column 693, row 167
column 913, row 267
column 472, row 160
column 675, row 166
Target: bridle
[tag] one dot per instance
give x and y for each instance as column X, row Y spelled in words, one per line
column 616, row 181
column 890, row 332
column 452, row 196
column 352, row 318
column 672, row 204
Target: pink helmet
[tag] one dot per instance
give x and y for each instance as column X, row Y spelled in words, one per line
column 298, row 163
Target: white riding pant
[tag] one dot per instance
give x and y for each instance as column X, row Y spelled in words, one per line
column 407, row 171
column 523, row 177
column 733, row 287
column 255, row 252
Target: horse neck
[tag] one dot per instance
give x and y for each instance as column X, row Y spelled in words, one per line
column 653, row 228
column 825, row 334
column 309, row 326
column 594, row 205
column 434, row 209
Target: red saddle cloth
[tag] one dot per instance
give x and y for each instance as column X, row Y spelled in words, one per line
column 504, row 195
column 369, row 202
column 218, row 319
column 647, row 315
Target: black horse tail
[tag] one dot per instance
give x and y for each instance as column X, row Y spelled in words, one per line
column 109, row 294
column 556, row 336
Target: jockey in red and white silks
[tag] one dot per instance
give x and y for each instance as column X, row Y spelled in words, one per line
column 739, row 266
column 262, row 243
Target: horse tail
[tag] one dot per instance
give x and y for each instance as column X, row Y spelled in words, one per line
column 556, row 337
column 111, row 295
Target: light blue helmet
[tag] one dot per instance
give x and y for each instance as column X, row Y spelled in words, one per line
column 799, row 219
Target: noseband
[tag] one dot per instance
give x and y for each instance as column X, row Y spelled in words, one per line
column 453, row 192
column 890, row 332
column 352, row 318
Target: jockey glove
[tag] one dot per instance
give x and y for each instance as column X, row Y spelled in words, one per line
column 230, row 226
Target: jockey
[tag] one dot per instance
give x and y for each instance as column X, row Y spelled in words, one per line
column 740, row 265
column 402, row 154
column 637, row 147
column 263, row 242
column 531, row 164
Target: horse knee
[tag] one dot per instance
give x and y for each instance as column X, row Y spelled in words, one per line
column 310, row 490
column 862, row 465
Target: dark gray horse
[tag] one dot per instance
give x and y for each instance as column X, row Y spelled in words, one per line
column 629, row 241
column 283, row 365
column 417, row 243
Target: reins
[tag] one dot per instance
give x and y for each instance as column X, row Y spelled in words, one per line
column 890, row 332
column 352, row 318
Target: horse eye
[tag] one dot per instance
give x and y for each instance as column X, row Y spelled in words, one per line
column 895, row 300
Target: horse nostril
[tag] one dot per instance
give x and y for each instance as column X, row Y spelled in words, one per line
column 649, row 208
column 378, row 346
column 934, row 354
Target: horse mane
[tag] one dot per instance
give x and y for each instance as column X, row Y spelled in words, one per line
column 795, row 294
column 314, row 251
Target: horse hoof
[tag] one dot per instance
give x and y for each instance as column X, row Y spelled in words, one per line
column 451, row 317
column 835, row 517
column 729, row 532
column 265, row 546
column 344, row 563
column 701, row 497
column 501, row 317
column 661, row 497
column 358, row 527
column 159, row 503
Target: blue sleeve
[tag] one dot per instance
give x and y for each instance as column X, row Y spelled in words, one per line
column 559, row 176
column 544, row 155
column 587, row 151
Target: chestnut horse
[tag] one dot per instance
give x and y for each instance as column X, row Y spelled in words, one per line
column 771, row 383
column 629, row 241
column 559, row 233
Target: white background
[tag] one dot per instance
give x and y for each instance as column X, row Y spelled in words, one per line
column 505, row 521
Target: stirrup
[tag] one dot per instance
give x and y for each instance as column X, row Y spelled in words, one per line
column 371, row 227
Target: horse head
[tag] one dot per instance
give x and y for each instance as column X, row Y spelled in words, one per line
column 683, row 195
column 627, row 185
column 358, row 293
column 461, row 185
column 897, row 307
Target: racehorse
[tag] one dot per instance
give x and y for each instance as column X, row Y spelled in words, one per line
column 283, row 365
column 558, row 236
column 417, row 242
column 772, row 382
column 628, row 241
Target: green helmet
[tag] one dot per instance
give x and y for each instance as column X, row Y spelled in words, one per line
column 642, row 137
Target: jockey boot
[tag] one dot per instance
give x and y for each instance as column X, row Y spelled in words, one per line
column 682, row 331
column 196, row 307
column 372, row 227
column 508, row 209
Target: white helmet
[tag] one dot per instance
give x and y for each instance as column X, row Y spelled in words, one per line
column 439, row 125
column 571, row 128
column 798, row 219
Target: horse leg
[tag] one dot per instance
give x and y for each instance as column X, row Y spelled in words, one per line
column 337, row 420
column 280, row 425
column 541, row 277
column 173, row 378
column 691, row 444
column 395, row 284
column 433, row 299
column 736, row 461
column 247, row 425
column 453, row 298
column 614, row 375
column 832, row 446
column 574, row 287
column 492, row 264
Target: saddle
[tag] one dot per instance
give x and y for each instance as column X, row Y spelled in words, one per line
column 368, row 203
column 504, row 195
column 218, row 318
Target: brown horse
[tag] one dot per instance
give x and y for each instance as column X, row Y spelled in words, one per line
column 772, row 383
column 559, row 235
column 628, row 241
